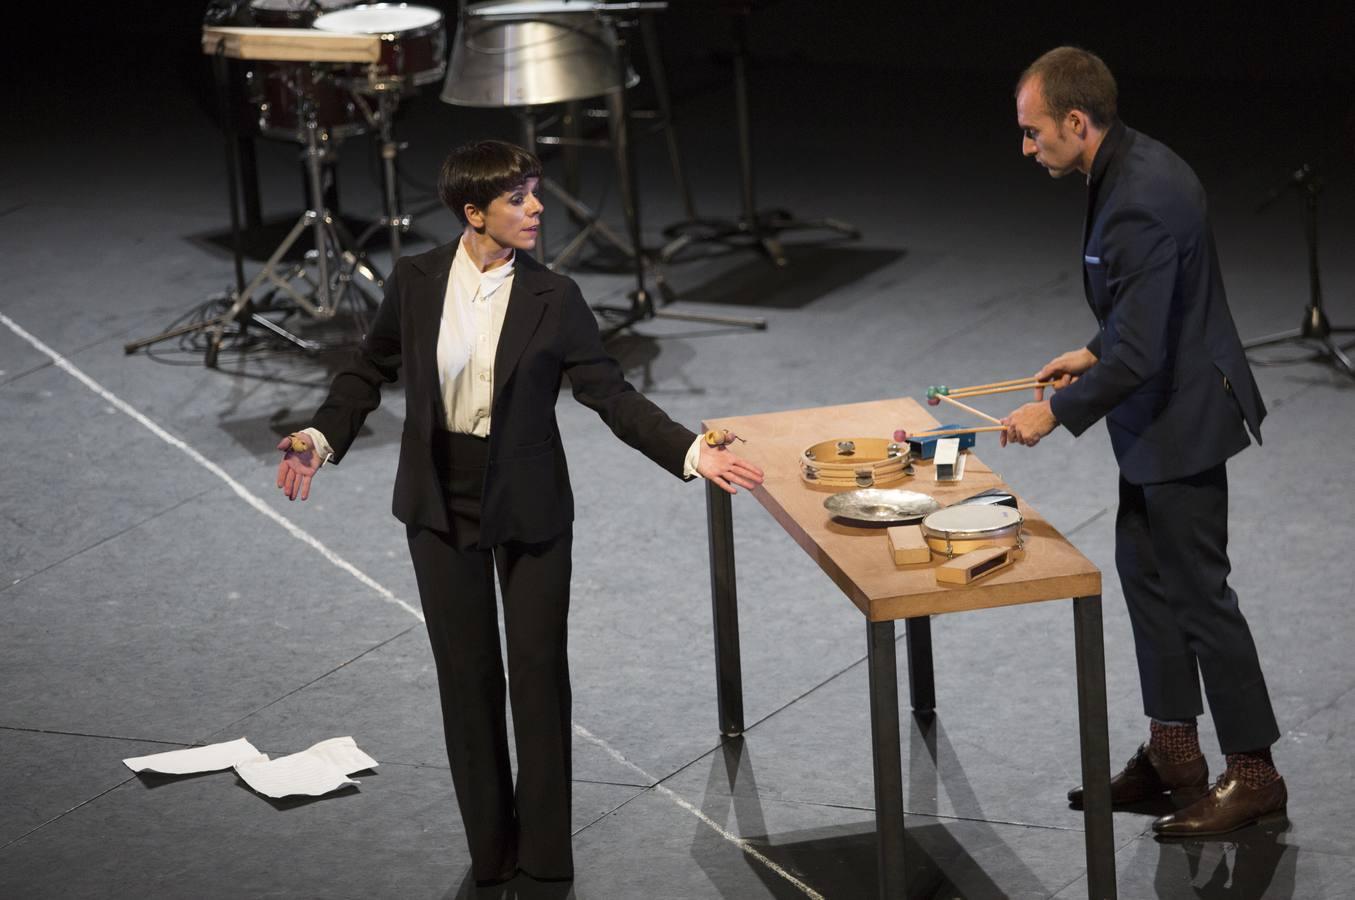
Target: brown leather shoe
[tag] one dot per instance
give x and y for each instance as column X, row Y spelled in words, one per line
column 1229, row 805
column 1147, row 775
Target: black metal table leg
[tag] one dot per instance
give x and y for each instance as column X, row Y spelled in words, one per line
column 725, row 610
column 921, row 683
column 888, row 757
column 1095, row 738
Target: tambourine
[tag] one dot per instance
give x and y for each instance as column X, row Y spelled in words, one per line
column 959, row 529
column 855, row 463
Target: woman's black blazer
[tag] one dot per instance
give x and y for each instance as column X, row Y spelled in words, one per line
column 548, row 332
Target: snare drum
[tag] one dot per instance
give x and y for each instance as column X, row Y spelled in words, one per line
column 279, row 91
column 959, row 529
column 413, row 42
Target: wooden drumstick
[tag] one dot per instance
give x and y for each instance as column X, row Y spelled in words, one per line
column 1024, row 386
column 994, row 384
column 901, row 435
column 969, row 409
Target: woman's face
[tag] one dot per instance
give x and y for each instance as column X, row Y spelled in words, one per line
column 512, row 219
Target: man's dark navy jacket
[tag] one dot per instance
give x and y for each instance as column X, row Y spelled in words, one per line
column 1171, row 379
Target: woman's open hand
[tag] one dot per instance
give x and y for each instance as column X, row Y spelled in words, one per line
column 297, row 467
column 721, row 466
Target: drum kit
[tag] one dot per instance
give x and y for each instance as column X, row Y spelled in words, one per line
column 291, row 70
column 316, row 72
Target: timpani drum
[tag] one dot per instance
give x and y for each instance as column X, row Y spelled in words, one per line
column 413, row 43
column 282, row 92
column 959, row 529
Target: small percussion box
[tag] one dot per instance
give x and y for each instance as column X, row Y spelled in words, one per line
column 975, row 564
column 925, row 447
column 948, row 461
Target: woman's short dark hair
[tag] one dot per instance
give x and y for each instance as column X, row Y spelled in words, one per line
column 1072, row 78
column 479, row 171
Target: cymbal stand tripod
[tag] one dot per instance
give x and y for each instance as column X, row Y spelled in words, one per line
column 761, row 229
column 590, row 221
column 1315, row 329
column 642, row 306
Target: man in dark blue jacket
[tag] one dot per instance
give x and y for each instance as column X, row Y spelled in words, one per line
column 1167, row 373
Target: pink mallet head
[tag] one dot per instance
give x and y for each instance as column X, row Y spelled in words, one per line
column 900, row 436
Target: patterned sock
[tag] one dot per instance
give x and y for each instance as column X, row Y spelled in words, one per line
column 1177, row 742
column 1254, row 768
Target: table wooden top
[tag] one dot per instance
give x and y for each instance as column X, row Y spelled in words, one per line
column 859, row 559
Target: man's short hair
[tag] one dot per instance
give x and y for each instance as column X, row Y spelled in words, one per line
column 1072, row 78
column 479, row 171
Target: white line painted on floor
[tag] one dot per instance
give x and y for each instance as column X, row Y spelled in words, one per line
column 685, row 804
column 305, row 537
column 243, row 492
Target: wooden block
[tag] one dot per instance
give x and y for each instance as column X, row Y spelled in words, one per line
column 975, row 564
column 292, row 44
column 948, row 460
column 908, row 545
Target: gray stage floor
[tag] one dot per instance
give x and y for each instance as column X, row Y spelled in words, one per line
column 151, row 597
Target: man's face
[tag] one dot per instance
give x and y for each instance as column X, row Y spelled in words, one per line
column 1051, row 144
column 513, row 218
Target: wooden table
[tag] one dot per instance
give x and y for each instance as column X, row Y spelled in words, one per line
column 858, row 561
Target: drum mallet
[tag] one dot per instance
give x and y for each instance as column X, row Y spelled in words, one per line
column 969, row 409
column 718, row 438
column 902, row 436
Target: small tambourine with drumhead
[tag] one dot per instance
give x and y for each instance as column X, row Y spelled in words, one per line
column 855, row 463
column 958, row 529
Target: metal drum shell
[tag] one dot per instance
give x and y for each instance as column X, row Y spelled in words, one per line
column 274, row 91
column 965, row 527
column 277, row 91
column 531, row 58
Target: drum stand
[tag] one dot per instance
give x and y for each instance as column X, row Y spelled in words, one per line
column 1314, row 328
column 383, row 119
column 591, row 223
column 642, row 303
column 761, row 229
column 334, row 253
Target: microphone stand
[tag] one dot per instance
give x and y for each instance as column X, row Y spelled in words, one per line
column 1315, row 330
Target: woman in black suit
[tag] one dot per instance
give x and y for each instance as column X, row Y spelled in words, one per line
column 485, row 335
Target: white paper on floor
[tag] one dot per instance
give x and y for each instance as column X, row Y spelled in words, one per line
column 212, row 758
column 314, row 771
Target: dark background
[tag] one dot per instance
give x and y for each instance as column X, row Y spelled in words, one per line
column 99, row 48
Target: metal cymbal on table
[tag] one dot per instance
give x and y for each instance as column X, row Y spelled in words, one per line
column 881, row 506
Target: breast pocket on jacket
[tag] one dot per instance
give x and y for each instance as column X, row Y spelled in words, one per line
column 1094, row 270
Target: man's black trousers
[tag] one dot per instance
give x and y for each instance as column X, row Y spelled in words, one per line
column 1171, row 550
